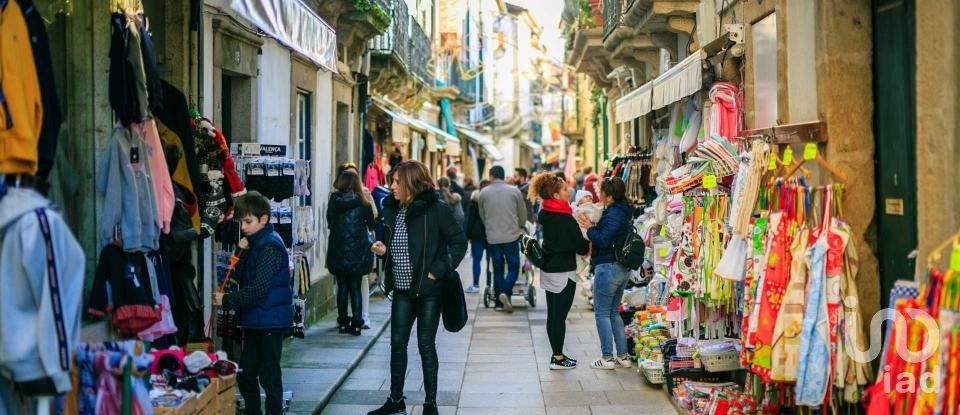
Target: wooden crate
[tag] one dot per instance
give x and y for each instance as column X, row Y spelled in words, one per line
column 226, row 382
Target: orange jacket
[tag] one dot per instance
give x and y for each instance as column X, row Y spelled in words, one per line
column 21, row 111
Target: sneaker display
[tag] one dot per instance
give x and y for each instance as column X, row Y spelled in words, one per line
column 624, row 362
column 562, row 364
column 391, row 407
column 604, row 364
column 507, row 306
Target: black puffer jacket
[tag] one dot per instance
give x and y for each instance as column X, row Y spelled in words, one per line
column 348, row 248
column 473, row 224
column 562, row 242
column 436, row 242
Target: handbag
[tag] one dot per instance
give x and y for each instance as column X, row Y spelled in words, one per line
column 454, row 310
column 228, row 320
column 531, row 248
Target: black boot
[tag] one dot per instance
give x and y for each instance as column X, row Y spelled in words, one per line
column 355, row 326
column 430, row 409
column 391, row 407
column 343, row 325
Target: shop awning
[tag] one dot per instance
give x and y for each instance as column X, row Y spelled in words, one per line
column 401, row 123
column 294, row 24
column 537, row 147
column 444, row 139
column 486, row 143
column 682, row 80
column 635, row 104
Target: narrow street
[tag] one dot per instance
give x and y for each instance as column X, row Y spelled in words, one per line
column 497, row 365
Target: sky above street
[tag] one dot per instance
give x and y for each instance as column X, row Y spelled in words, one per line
column 547, row 14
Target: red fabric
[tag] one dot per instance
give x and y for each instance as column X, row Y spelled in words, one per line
column 557, row 206
column 135, row 318
column 589, row 185
column 234, row 183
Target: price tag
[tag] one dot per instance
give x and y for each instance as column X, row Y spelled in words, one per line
column 772, row 164
column 663, row 252
column 955, row 259
column 709, row 181
column 810, row 151
column 788, row 156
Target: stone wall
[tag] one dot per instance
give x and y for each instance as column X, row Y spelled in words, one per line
column 938, row 100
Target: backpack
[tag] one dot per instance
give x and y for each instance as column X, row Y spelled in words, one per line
column 630, row 254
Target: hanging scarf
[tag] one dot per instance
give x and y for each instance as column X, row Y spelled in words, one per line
column 725, row 112
column 557, row 206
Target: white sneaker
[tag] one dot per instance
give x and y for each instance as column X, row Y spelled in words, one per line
column 623, row 362
column 505, row 300
column 604, row 364
column 473, row 289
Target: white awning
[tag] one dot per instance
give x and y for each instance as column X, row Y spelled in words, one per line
column 533, row 145
column 444, row 139
column 292, row 23
column 486, row 143
column 682, row 80
column 635, row 104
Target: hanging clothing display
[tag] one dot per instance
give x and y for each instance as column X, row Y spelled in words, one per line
column 124, row 179
column 52, row 116
column 20, row 94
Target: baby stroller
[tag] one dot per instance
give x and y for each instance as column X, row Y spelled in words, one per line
column 523, row 288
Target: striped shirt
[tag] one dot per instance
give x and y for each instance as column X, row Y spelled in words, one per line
column 400, row 253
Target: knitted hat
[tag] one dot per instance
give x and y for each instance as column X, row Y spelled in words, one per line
column 582, row 194
column 197, row 361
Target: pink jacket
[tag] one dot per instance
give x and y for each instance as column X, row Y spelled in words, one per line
column 162, row 183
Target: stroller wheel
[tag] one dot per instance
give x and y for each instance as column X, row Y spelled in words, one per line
column 532, row 296
column 486, row 299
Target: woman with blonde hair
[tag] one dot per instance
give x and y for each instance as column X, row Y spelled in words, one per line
column 562, row 242
column 422, row 247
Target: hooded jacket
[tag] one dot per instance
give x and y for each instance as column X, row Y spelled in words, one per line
column 436, row 243
column 128, row 192
column 40, row 308
column 609, row 233
column 21, row 107
column 350, row 221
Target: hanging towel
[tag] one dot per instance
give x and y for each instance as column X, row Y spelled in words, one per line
column 725, row 111
column 813, row 369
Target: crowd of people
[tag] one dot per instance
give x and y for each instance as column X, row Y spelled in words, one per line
column 421, row 231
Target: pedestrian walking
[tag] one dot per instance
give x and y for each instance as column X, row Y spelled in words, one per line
column 452, row 199
column 365, row 281
column 611, row 277
column 562, row 242
column 422, row 248
column 477, row 235
column 521, row 180
column 350, row 220
column 504, row 212
column 264, row 302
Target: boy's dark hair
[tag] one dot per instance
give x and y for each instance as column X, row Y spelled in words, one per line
column 497, row 172
column 615, row 188
column 252, row 203
column 522, row 172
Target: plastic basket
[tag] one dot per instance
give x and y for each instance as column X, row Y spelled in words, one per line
column 721, row 362
column 676, row 378
column 653, row 375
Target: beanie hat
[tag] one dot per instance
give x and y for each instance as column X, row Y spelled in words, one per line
column 197, row 361
column 582, row 194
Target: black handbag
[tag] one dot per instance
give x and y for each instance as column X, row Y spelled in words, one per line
column 454, row 311
column 531, row 248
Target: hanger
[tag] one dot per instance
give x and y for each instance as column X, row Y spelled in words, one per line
column 839, row 174
column 937, row 252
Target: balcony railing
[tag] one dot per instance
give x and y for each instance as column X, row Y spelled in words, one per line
column 419, row 53
column 395, row 41
column 613, row 11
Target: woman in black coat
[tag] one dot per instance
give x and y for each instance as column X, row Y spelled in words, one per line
column 422, row 247
column 350, row 218
column 562, row 242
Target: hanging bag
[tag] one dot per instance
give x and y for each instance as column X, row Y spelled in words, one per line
column 228, row 320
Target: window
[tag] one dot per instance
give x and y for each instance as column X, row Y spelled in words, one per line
column 765, row 72
column 304, row 138
column 342, row 149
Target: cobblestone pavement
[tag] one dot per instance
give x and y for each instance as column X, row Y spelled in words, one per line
column 498, row 365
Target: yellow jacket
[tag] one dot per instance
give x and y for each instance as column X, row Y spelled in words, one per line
column 21, row 111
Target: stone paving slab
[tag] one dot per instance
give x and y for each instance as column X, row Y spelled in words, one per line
column 498, row 365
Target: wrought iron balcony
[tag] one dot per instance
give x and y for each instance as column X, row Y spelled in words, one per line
column 419, row 53
column 613, row 11
column 395, row 41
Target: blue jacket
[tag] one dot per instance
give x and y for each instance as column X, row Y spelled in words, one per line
column 275, row 311
column 610, row 233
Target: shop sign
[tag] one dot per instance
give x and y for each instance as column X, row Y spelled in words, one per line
column 256, row 149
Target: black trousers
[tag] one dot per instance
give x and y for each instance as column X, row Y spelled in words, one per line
column 260, row 361
column 558, row 306
column 348, row 291
column 426, row 312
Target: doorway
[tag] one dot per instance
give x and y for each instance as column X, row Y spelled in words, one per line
column 895, row 134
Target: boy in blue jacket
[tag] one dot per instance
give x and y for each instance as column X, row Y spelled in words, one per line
column 264, row 303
